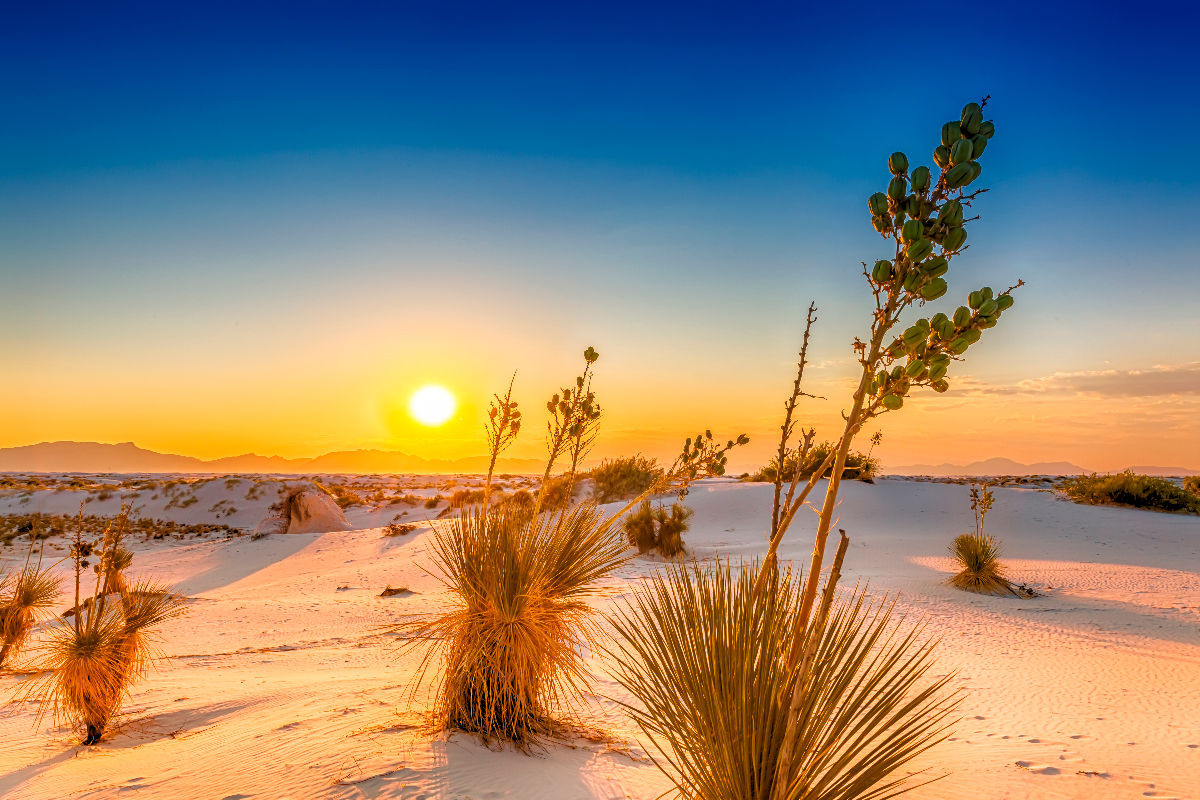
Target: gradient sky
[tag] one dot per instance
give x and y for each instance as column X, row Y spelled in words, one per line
column 241, row 228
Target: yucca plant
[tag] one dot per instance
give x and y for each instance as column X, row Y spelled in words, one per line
column 90, row 660
column 22, row 597
column 710, row 658
column 511, row 640
column 978, row 553
column 788, row 668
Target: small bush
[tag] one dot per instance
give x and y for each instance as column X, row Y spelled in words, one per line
column 859, row 466
column 399, row 528
column 559, row 491
column 1192, row 484
column 466, row 497
column 623, row 478
column 434, row 501
column 650, row 529
column 1130, row 489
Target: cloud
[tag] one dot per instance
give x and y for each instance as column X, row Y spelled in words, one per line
column 1156, row 381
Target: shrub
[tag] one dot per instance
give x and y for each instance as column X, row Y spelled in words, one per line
column 466, row 497
column 706, row 655
column 1192, row 484
column 434, row 502
column 649, row 529
column 31, row 591
column 623, row 478
column 399, row 528
column 640, row 529
column 1130, row 489
column 558, row 491
column 859, row 466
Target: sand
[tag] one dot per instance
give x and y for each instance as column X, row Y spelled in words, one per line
column 279, row 683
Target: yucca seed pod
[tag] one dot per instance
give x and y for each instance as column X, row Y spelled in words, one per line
column 941, row 156
column 951, row 214
column 882, row 272
column 978, row 145
column 892, row 401
column 946, row 330
column 975, row 299
column 951, row 133
column 913, row 336
column 913, row 206
column 1004, row 301
column 958, row 175
column 934, row 289
column 897, row 371
column 987, row 129
column 987, row 322
column 912, row 230
column 972, row 118
column 962, row 317
column 986, row 293
column 937, row 371
column 961, row 151
column 898, row 188
column 940, row 386
column 972, row 335
column 959, row 346
column 935, row 267
column 937, row 320
column 898, row 163
column 881, row 223
column 877, row 203
column 912, row 280
column 988, row 307
column 919, row 250
column 919, row 179
column 976, row 171
column 954, row 239
column 914, row 368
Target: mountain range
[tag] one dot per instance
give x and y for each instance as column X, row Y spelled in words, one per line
column 1006, row 466
column 128, row 457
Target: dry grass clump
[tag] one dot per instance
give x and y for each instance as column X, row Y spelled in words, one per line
column 859, row 466
column 651, row 529
column 709, row 660
column 623, row 478
column 90, row 660
column 399, row 528
column 22, row 597
column 1131, row 489
column 50, row 526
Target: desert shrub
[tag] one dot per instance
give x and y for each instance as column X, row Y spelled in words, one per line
column 1192, row 484
column 859, row 466
column 90, row 660
column 466, row 497
column 652, row 529
column 558, row 491
column 1130, row 489
column 22, row 597
column 433, row 502
column 705, row 654
column 623, row 478
column 977, row 553
column 399, row 528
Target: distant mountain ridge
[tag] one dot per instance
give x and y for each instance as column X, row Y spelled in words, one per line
column 128, row 457
column 1006, row 466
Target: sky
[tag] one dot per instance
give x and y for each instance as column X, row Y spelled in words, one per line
column 234, row 228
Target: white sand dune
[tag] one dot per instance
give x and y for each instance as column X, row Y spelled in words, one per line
column 279, row 684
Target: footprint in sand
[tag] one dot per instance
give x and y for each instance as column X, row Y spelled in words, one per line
column 1040, row 769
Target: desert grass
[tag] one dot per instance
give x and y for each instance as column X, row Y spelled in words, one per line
column 22, row 597
column 89, row 661
column 623, row 478
column 707, row 659
column 1131, row 489
column 859, row 466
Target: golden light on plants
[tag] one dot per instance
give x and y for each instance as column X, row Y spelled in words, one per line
column 432, row 405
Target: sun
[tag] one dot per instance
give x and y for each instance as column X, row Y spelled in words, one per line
column 432, row 405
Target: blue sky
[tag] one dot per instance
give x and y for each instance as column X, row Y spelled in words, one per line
column 201, row 185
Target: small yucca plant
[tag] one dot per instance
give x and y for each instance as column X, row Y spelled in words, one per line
column 89, row 661
column 978, row 553
column 22, row 596
column 708, row 658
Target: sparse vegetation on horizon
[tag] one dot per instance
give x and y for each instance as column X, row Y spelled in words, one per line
column 1130, row 489
column 859, row 466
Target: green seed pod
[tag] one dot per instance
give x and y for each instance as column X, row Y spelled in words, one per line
column 898, row 163
column 946, row 330
column 959, row 346
column 951, row 133
column 892, row 402
column 912, row 230
column 914, row 368
column 919, row 250
column 976, row 171
column 938, row 371
column 912, row 280
column 961, row 151
column 878, row 203
column 1004, row 301
column 986, row 293
column 897, row 371
column 975, row 299
column 954, row 239
column 987, row 322
column 940, row 386
column 881, row 377
column 958, row 175
column 882, row 272
column 951, row 214
column 913, row 336
column 987, row 129
column 920, row 179
column 988, row 308
column 881, row 223
column 972, row 335
column 913, row 206
column 898, row 188
column 935, row 267
column 941, row 156
column 962, row 317
column 937, row 320
column 972, row 118
column 934, row 289
column 978, row 145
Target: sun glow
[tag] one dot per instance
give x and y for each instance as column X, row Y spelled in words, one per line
column 432, row 405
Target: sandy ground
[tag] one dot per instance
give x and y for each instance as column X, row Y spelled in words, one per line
column 278, row 684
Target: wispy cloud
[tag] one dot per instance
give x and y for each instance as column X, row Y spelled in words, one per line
column 1156, row 381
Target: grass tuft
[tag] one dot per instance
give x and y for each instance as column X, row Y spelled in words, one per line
column 1131, row 489
column 22, row 597
column 623, row 478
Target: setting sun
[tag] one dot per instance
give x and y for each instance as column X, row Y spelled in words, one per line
column 432, row 405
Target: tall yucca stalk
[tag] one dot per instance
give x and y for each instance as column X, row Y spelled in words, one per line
column 708, row 657
column 32, row 590
column 89, row 661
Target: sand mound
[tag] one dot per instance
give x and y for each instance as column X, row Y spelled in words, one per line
column 304, row 509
